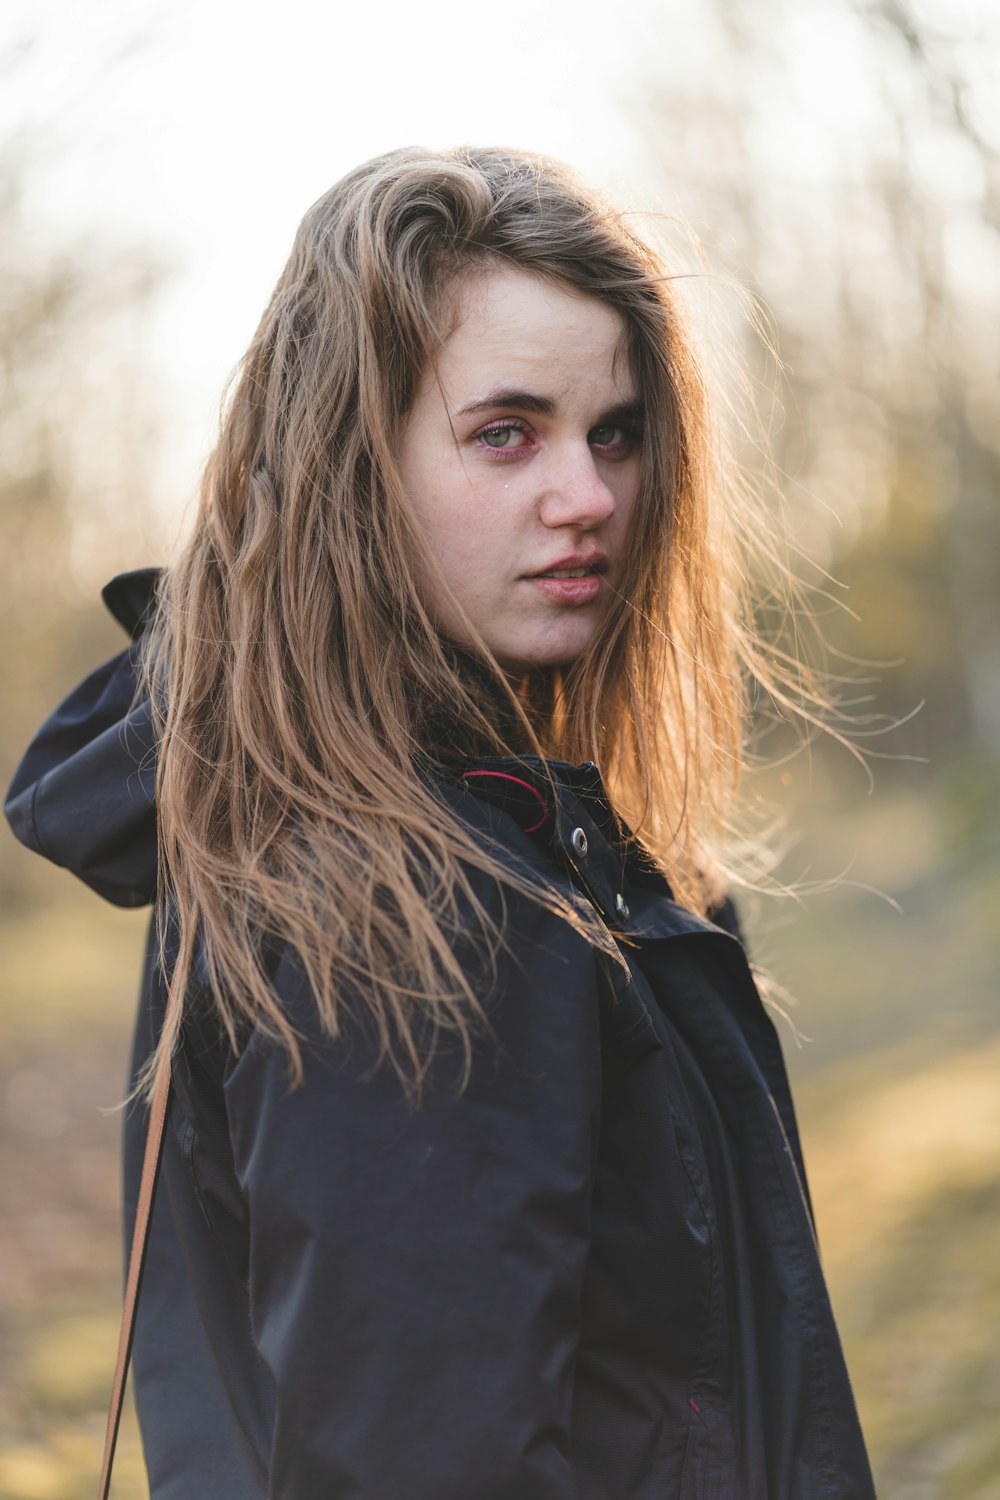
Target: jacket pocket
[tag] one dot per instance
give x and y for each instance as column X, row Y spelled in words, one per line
column 703, row 1225
column 219, row 1198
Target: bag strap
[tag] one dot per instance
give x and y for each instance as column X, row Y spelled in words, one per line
column 136, row 1261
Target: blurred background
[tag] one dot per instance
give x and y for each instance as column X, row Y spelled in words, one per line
column 842, row 161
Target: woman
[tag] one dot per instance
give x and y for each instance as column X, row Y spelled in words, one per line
column 481, row 1176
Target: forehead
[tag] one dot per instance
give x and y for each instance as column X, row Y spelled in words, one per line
column 512, row 325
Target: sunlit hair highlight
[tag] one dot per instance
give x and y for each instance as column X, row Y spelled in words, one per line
column 298, row 679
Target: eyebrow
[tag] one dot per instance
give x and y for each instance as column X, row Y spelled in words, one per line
column 521, row 400
column 508, row 395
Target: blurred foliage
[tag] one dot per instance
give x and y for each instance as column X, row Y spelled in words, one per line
column 842, row 159
column 78, row 434
column 79, row 427
column 872, row 243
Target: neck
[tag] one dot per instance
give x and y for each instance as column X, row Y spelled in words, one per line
column 480, row 719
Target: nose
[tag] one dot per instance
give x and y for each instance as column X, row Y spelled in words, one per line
column 574, row 492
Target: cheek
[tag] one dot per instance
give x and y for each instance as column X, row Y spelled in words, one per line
column 465, row 557
column 463, row 525
column 437, row 487
column 461, row 543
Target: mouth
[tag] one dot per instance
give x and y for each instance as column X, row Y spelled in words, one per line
column 572, row 581
column 575, row 567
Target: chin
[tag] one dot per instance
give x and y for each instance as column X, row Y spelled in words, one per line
column 545, row 656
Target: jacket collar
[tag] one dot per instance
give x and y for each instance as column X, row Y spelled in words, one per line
column 564, row 810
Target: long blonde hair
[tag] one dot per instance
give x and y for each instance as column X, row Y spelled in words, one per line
column 294, row 669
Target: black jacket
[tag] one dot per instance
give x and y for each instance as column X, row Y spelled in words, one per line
column 592, row 1274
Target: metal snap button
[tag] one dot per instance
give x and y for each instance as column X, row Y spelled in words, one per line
column 621, row 906
column 579, row 841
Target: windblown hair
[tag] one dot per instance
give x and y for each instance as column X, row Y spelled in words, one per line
column 296, row 673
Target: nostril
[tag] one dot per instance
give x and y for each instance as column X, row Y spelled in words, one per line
column 585, row 504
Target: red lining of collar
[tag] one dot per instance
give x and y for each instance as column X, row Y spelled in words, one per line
column 518, row 781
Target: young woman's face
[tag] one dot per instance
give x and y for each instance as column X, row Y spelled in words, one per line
column 520, row 458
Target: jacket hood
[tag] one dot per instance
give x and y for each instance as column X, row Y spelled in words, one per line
column 83, row 795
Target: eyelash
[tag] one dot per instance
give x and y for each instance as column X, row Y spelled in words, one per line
column 515, row 424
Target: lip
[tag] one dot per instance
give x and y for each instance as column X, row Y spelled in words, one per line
column 572, row 591
column 597, row 562
column 569, row 590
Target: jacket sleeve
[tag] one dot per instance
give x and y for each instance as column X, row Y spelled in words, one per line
column 416, row 1274
column 83, row 795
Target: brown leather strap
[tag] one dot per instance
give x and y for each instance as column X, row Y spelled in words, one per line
column 136, row 1261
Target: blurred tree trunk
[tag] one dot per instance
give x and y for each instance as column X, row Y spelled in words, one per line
column 839, row 160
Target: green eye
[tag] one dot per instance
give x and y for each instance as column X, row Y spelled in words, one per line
column 605, row 437
column 498, row 437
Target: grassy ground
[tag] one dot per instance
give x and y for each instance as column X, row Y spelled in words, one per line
column 898, row 1098
column 68, row 981
column 899, row 1104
